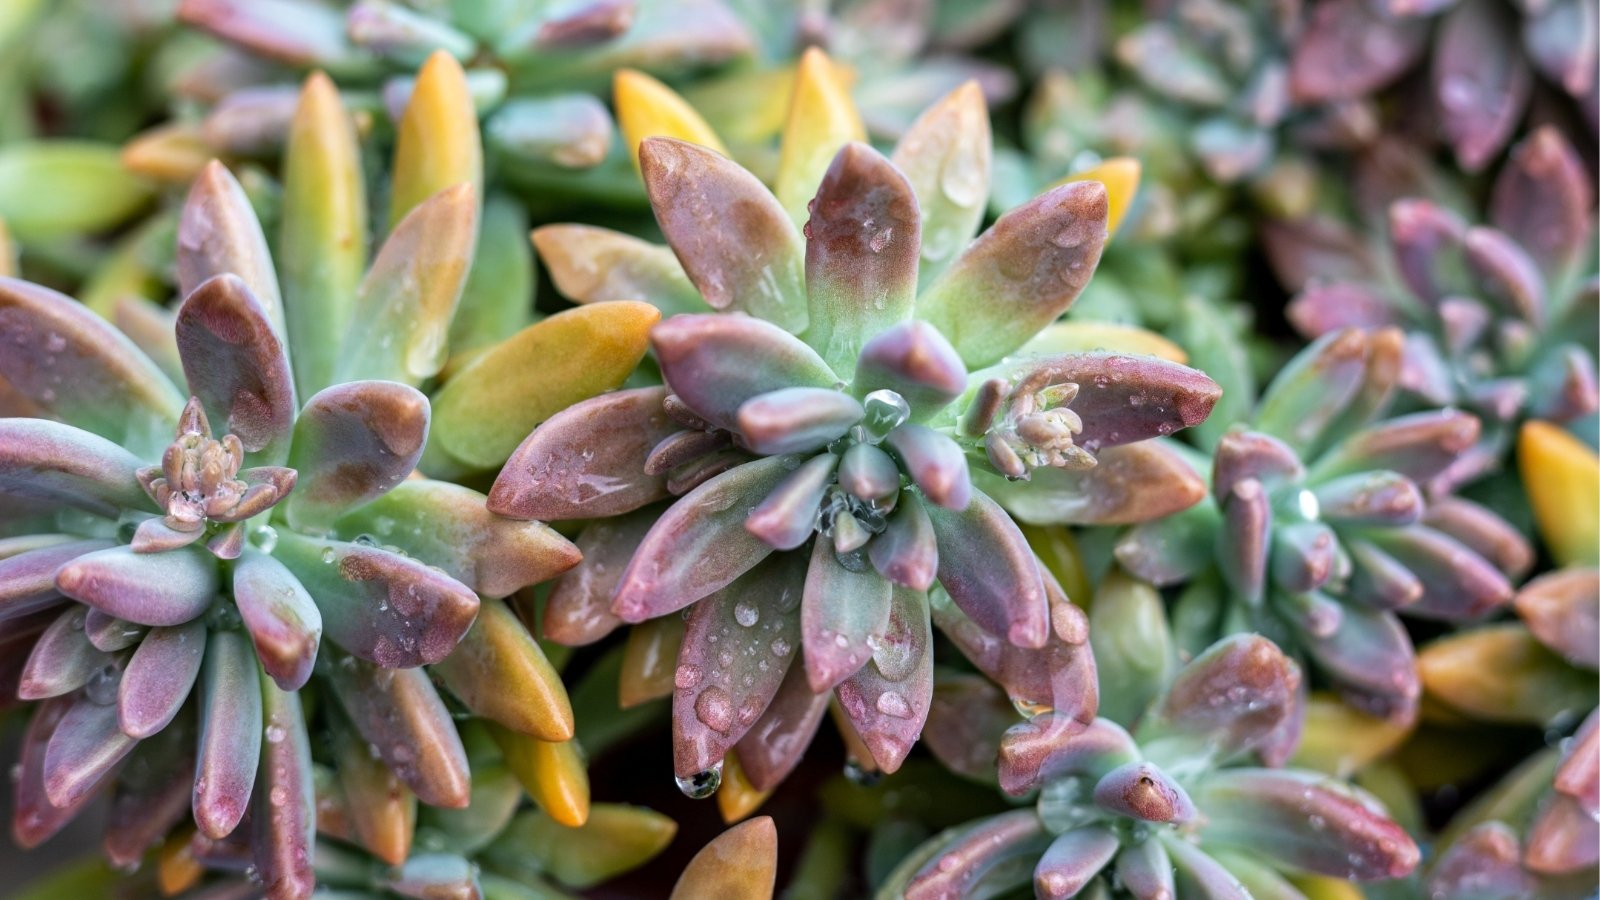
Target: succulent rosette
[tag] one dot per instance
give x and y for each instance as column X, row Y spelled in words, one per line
column 164, row 549
column 1319, row 533
column 1168, row 802
column 819, row 435
column 1499, row 316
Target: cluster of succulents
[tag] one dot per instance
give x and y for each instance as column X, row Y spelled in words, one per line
column 444, row 442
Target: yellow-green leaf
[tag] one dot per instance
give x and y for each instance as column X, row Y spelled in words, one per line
column 1501, row 673
column 1562, row 477
column 1341, row 740
column 173, row 153
column 822, row 118
column 63, row 188
column 8, row 252
column 1120, row 175
column 484, row 411
column 437, row 144
column 552, row 773
column 740, row 864
column 322, row 248
column 500, row 673
column 1076, row 336
column 647, row 108
column 737, row 798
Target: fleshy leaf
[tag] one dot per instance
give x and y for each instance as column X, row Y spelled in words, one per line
column 34, row 819
column 593, row 265
column 977, row 850
column 1123, row 399
column 322, row 242
column 382, row 811
column 1502, row 673
column 907, row 552
column 936, row 463
column 218, row 234
column 28, row 578
column 1349, row 49
column 54, row 464
column 887, row 699
column 699, row 544
column 775, row 743
column 733, row 239
column 237, row 366
column 822, row 119
column 1229, row 698
column 1369, row 658
column 552, row 772
column 615, row 839
column 863, row 244
column 1072, row 860
column 915, row 361
column 578, row 609
column 283, row 621
column 1133, row 651
column 85, row 747
column 1142, row 791
column 1020, row 274
column 1481, row 81
column 61, row 659
column 487, row 408
column 945, row 155
column 787, row 516
column 73, row 366
column 1456, row 583
column 845, row 611
column 53, row 189
column 740, row 864
column 796, row 420
column 408, row 296
column 1313, row 388
column 158, row 678
column 499, row 673
column 283, row 828
column 1120, row 177
column 1562, row 609
column 168, row 588
column 714, row 363
column 1542, row 200
column 230, row 734
column 381, row 606
column 436, row 144
column 1142, row 482
column 1560, row 473
column 989, row 571
column 399, row 712
column 647, row 108
column 353, row 442
column 737, row 645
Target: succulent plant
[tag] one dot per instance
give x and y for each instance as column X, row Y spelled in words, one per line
column 825, row 482
column 1167, row 803
column 1319, row 532
column 1499, row 316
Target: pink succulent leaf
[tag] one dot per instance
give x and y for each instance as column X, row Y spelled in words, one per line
column 237, row 366
column 168, row 588
column 283, row 621
column 773, row 746
column 714, row 363
column 55, row 464
column 230, row 734
column 159, row 677
column 887, row 700
column 354, row 442
column 399, row 711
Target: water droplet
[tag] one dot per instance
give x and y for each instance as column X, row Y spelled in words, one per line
column 701, row 784
column 101, row 688
column 280, row 795
column 746, row 614
column 780, row 647
column 891, row 703
column 686, row 676
column 1310, row 509
column 275, row 734
column 880, row 240
column 328, row 555
column 264, row 538
column 885, row 410
column 856, row 773
column 714, row 709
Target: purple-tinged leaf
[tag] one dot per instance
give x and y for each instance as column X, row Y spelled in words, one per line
column 1019, row 275
column 1073, row 860
column 158, row 678
column 1060, row 677
column 1578, row 776
column 1145, row 870
column 1370, row 659
column 1484, row 532
column 1370, row 498
column 1506, row 274
column 863, row 244
column 109, row 633
column 147, row 589
column 735, row 241
column 1425, row 237
column 70, row 364
column 230, row 734
column 787, row 516
column 381, row 606
column 1246, row 539
column 844, row 613
column 737, row 645
column 1348, row 50
column 714, row 363
column 1562, row 609
column 796, row 420
column 907, row 552
column 499, row 673
column 1304, row 820
column 1378, row 580
column 887, row 700
column 34, row 819
column 694, row 473
column 1132, row 483
column 699, row 544
column 1480, row 79
column 284, row 825
column 1564, row 385
column 1562, row 839
column 218, row 234
column 974, row 851
column 967, row 718
column 868, row 473
column 1303, row 556
column 936, row 464
column 85, row 747
column 578, row 608
column 1231, row 697
column 550, row 477
column 1199, row 875
column 294, row 32
column 988, row 569
column 1317, row 249
column 354, row 442
column 1419, row 446
column 685, row 448
column 1124, row 398
column 1142, row 791
column 1247, row 454
column 56, row 465
column 1323, row 307
column 1542, row 199
column 154, row 535
column 399, row 712
column 152, row 797
column 283, row 621
column 1486, row 861
column 915, row 361
column 237, row 365
column 945, row 156
column 1051, row 746
column 1313, row 389
column 773, row 746
column 1457, row 584
column 1560, row 41
column 62, row 659
column 28, row 579
column 382, row 812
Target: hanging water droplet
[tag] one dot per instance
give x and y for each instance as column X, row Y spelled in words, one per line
column 857, row 774
column 101, row 688
column 701, row 784
column 885, row 410
column 746, row 614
